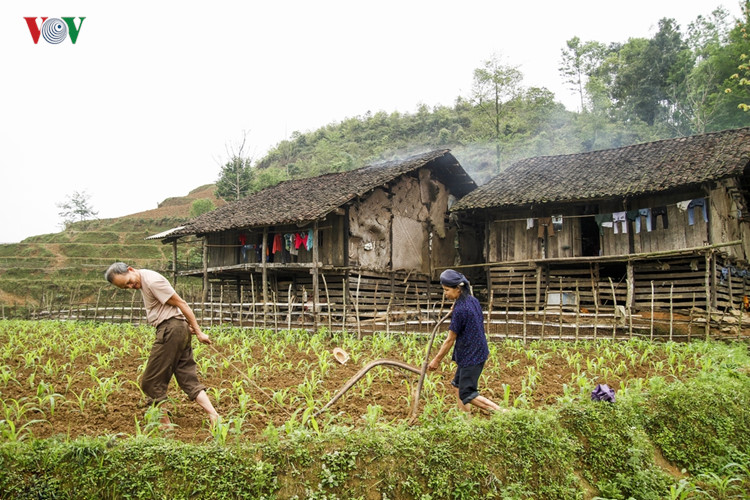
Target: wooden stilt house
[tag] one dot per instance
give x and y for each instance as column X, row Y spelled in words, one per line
column 340, row 248
column 638, row 231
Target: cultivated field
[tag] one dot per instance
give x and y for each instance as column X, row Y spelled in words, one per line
column 66, row 381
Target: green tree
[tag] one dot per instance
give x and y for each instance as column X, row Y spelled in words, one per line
column 200, row 207
column 578, row 62
column 236, row 176
column 696, row 96
column 741, row 79
column 76, row 208
column 645, row 72
column 494, row 88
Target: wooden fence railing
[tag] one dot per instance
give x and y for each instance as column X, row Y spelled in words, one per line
column 550, row 322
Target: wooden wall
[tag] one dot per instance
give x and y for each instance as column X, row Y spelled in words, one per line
column 510, row 239
column 402, row 227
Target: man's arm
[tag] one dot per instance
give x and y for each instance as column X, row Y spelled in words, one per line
column 444, row 349
column 179, row 303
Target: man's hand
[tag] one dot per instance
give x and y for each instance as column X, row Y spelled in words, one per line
column 203, row 338
column 434, row 365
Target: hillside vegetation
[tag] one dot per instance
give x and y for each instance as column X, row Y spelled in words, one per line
column 69, row 265
column 683, row 80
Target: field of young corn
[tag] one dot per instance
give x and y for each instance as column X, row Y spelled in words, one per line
column 68, row 381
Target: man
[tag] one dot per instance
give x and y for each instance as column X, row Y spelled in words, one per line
column 171, row 353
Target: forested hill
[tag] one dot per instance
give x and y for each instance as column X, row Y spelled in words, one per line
column 681, row 81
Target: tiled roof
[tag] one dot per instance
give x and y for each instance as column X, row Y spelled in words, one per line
column 623, row 172
column 306, row 200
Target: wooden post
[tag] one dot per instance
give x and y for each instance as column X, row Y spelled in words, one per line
column 578, row 311
column 345, row 289
column 264, row 269
column 96, row 309
column 211, row 319
column 242, row 305
column 614, row 301
column 204, row 258
column 538, row 287
column 489, row 312
column 328, row 302
column 356, row 308
column 252, row 293
column 316, row 291
column 544, row 312
column 523, row 295
column 289, row 306
column 560, row 316
column 708, row 294
column 594, row 273
column 375, row 308
column 630, row 281
column 406, row 305
column 671, row 309
column 690, row 323
column 714, row 287
column 274, row 311
column 419, row 308
column 507, row 306
column 221, row 303
column 174, row 263
column 652, row 311
column 388, row 316
column 132, row 307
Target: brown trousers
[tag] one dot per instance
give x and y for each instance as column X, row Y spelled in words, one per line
column 171, row 354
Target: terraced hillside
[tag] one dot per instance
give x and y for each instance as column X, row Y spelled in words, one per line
column 69, row 265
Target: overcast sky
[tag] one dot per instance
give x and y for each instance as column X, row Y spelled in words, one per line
column 146, row 102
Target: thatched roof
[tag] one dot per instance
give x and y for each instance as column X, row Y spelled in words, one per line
column 307, row 200
column 640, row 169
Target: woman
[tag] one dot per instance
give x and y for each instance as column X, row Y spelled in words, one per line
column 466, row 331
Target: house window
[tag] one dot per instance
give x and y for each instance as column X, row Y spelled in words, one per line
column 566, row 298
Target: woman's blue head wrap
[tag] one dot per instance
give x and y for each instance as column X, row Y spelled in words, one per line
column 449, row 277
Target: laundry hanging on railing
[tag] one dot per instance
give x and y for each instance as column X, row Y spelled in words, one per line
column 619, row 221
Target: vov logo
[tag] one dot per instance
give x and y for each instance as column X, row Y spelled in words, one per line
column 54, row 30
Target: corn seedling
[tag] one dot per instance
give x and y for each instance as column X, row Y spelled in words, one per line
column 220, row 431
column 152, row 422
column 243, row 401
column 80, row 399
column 46, row 395
column 6, row 376
column 103, row 389
column 49, row 368
column 324, row 363
column 372, row 415
column 510, row 364
column 30, row 359
column 506, row 394
column 307, row 390
column 308, row 418
column 568, row 395
column 683, row 490
column 280, row 397
column 217, row 394
column 11, row 433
